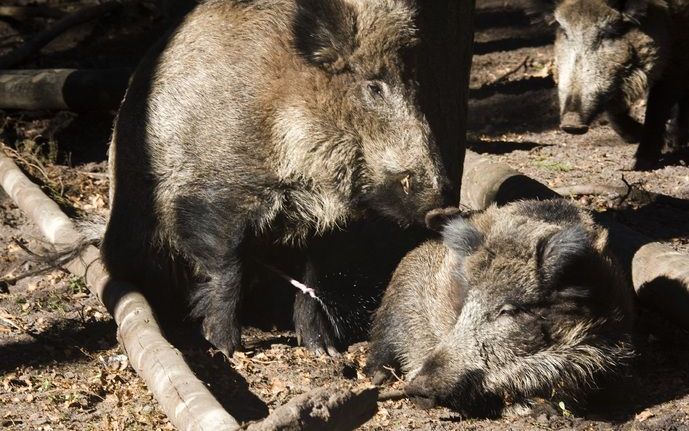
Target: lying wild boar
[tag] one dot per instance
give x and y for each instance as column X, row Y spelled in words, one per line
column 512, row 303
column 609, row 54
column 267, row 122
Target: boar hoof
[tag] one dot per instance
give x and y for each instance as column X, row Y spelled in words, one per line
column 644, row 164
column 227, row 340
column 313, row 329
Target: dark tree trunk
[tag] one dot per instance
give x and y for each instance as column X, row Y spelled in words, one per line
column 447, row 34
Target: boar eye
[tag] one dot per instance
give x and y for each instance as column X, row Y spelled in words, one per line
column 509, row 310
column 375, row 88
column 611, row 31
column 561, row 31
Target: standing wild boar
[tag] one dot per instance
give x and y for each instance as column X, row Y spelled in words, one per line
column 609, row 54
column 512, row 303
column 264, row 122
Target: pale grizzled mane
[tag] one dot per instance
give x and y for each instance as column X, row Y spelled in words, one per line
column 568, row 368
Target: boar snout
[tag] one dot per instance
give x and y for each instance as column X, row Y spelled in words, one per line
column 572, row 123
column 450, row 386
column 409, row 194
column 572, row 120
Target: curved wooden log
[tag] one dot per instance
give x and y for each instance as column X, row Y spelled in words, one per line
column 184, row 398
column 63, row 89
column 659, row 274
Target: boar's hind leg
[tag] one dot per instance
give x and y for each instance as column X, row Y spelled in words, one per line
column 383, row 351
column 624, row 125
column 216, row 301
column 312, row 322
column 211, row 242
column 661, row 99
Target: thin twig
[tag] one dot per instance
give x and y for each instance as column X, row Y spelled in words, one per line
column 4, row 317
column 36, row 163
column 512, row 71
column 630, row 189
column 394, row 374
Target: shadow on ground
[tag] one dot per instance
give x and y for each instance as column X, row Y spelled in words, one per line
column 65, row 341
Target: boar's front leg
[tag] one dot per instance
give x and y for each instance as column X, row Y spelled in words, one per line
column 661, row 99
column 623, row 124
column 311, row 322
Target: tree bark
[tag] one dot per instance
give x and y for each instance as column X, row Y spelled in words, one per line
column 447, row 39
column 659, row 274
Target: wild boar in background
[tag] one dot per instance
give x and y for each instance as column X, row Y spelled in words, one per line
column 511, row 304
column 264, row 122
column 609, row 54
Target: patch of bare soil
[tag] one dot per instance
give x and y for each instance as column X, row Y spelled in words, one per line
column 61, row 366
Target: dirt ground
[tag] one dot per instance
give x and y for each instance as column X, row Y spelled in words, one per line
column 60, row 363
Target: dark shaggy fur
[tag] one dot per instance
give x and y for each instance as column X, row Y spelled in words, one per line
column 264, row 121
column 513, row 303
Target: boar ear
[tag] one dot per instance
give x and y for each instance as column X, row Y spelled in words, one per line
column 563, row 252
column 541, row 10
column 436, row 219
column 325, row 32
column 461, row 236
column 634, row 10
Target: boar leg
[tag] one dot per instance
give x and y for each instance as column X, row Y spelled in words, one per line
column 381, row 358
column 311, row 322
column 661, row 99
column 624, row 125
column 217, row 302
column 211, row 242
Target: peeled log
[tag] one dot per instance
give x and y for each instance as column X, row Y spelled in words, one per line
column 184, row 398
column 63, row 89
column 659, row 274
column 668, row 291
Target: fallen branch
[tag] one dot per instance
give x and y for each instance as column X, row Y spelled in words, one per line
column 659, row 274
column 321, row 409
column 63, row 89
column 184, row 398
column 34, row 45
